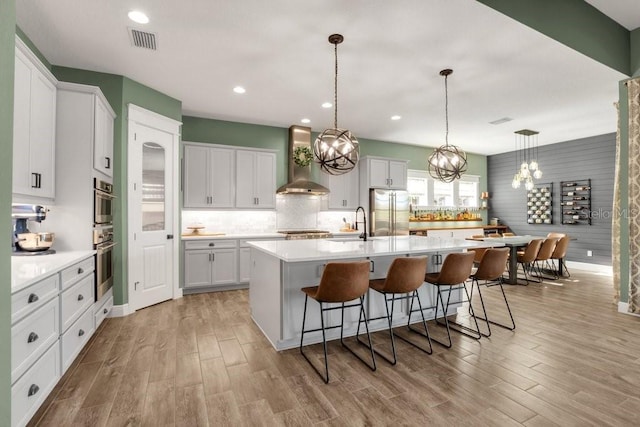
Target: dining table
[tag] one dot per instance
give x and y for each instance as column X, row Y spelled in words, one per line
column 513, row 243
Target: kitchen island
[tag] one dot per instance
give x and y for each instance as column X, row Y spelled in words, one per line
column 279, row 269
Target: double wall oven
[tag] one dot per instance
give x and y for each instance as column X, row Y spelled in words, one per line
column 103, row 235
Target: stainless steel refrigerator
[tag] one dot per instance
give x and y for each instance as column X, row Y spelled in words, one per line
column 389, row 212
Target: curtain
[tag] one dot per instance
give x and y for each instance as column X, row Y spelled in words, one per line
column 633, row 87
column 615, row 218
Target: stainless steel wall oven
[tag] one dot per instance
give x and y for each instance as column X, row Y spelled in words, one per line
column 104, row 245
column 102, row 202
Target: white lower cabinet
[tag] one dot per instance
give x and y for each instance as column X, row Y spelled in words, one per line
column 102, row 308
column 210, row 263
column 244, row 259
column 28, row 393
column 52, row 320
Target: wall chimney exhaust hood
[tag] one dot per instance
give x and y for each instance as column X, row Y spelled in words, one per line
column 299, row 176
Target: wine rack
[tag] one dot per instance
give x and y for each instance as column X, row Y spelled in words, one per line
column 576, row 202
column 540, row 204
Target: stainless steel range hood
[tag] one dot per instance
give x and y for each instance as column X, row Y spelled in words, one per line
column 300, row 176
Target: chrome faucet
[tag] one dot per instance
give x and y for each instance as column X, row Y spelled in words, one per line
column 363, row 235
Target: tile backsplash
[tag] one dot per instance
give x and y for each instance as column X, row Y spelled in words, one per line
column 292, row 213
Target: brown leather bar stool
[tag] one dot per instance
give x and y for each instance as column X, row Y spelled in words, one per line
column 508, row 234
column 527, row 257
column 403, row 279
column 490, row 272
column 544, row 255
column 341, row 282
column 558, row 254
column 455, row 270
column 478, row 252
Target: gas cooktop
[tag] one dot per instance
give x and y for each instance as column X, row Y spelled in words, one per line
column 305, row 234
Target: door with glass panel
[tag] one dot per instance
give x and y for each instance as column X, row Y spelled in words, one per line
column 151, row 222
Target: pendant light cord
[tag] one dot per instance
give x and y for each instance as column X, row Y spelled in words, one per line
column 335, row 88
column 446, row 111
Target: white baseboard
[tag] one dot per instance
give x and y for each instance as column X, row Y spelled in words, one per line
column 623, row 307
column 593, row 268
column 120, row 311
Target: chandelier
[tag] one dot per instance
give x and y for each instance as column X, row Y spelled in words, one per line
column 527, row 167
column 447, row 163
column 336, row 150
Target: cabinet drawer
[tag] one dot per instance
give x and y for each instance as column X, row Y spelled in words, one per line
column 101, row 312
column 211, row 244
column 71, row 274
column 76, row 337
column 32, row 336
column 28, row 394
column 33, row 297
column 76, row 300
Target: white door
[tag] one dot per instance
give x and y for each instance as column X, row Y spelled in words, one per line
column 152, row 213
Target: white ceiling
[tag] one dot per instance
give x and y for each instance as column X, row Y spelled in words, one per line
column 624, row 12
column 388, row 64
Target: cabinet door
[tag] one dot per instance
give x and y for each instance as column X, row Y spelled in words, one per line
column 196, row 181
column 103, row 139
column 397, row 175
column 352, row 189
column 378, row 173
column 42, row 134
column 197, row 268
column 21, row 118
column 221, row 172
column 245, row 176
column 265, row 180
column 245, row 265
column 337, row 195
column 224, row 271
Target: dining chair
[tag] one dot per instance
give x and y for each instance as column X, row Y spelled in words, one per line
column 559, row 253
column 526, row 258
column 341, row 282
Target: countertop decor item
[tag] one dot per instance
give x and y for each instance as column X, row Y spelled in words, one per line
column 447, row 162
column 336, row 150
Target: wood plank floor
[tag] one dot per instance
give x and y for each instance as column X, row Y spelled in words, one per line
column 572, row 361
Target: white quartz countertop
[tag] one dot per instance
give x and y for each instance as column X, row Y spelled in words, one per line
column 324, row 249
column 26, row 270
column 267, row 235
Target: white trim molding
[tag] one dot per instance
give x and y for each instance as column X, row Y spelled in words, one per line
column 120, row 311
column 623, row 307
column 592, row 268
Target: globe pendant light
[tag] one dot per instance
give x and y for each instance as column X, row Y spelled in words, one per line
column 447, row 163
column 527, row 153
column 336, row 150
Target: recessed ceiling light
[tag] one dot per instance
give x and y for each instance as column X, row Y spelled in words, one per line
column 327, row 105
column 239, row 89
column 396, row 117
column 305, row 120
column 139, row 17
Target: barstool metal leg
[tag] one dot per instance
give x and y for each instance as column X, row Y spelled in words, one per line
column 425, row 334
column 439, row 300
column 324, row 377
column 486, row 319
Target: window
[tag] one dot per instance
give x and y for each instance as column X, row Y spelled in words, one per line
column 426, row 192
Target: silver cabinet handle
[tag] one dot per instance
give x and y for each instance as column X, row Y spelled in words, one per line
column 80, row 297
column 107, row 162
column 32, row 298
column 80, row 332
column 33, row 390
column 80, row 270
column 211, row 244
column 105, row 311
column 32, row 337
column 213, row 257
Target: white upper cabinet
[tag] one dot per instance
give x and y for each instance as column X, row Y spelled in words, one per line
column 103, row 137
column 208, row 176
column 344, row 192
column 386, row 173
column 34, row 126
column 255, row 179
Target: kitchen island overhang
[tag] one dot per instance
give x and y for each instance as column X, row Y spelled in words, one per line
column 280, row 268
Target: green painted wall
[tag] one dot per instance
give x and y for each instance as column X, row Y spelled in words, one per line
column 576, row 24
column 120, row 91
column 248, row 135
column 7, row 53
column 635, row 52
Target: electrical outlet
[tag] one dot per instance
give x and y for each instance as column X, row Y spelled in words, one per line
column 589, row 253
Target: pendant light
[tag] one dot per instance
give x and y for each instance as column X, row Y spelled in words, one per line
column 447, row 163
column 336, row 150
column 526, row 155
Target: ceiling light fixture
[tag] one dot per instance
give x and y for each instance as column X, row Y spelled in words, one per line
column 396, row 117
column 447, row 163
column 239, row 89
column 305, row 120
column 336, row 150
column 526, row 159
column 138, row 17
column 327, row 105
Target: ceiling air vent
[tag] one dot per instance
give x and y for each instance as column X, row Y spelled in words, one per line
column 142, row 39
